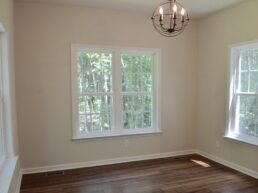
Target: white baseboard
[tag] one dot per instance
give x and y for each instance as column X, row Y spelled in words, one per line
column 105, row 162
column 229, row 164
column 138, row 158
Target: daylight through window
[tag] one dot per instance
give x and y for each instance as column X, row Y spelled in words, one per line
column 114, row 91
column 243, row 116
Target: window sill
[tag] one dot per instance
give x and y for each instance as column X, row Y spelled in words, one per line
column 115, row 134
column 242, row 138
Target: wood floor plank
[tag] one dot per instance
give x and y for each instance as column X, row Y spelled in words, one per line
column 184, row 174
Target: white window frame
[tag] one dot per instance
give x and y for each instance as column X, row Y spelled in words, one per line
column 117, row 90
column 234, row 66
column 3, row 157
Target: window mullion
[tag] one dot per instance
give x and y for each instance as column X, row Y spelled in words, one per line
column 96, row 93
column 118, row 101
column 246, row 94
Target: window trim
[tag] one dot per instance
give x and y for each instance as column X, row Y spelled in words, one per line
column 230, row 131
column 117, row 51
column 2, row 131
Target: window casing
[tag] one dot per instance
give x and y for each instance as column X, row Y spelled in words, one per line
column 243, row 95
column 114, row 91
column 2, row 136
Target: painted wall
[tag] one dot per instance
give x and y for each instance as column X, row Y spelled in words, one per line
column 215, row 34
column 44, row 34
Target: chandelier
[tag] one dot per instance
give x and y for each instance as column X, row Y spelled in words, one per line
column 170, row 18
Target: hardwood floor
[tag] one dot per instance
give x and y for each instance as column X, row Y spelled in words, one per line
column 185, row 174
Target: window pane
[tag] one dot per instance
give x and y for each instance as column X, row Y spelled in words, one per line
column 248, row 74
column 147, row 82
column 147, row 119
column 82, row 121
column 244, row 60
column 128, row 120
column 95, row 113
column 94, row 72
column 128, row 103
column 139, row 120
column 136, row 73
column 244, row 79
column 137, row 78
column 95, row 104
column 94, row 76
column 138, row 104
column 248, row 115
column 137, row 111
column 255, row 60
column 148, row 103
column 254, row 81
column 131, row 63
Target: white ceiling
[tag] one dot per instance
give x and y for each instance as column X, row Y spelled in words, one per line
column 196, row 8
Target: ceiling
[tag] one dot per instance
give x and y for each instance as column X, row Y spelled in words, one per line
column 197, row 8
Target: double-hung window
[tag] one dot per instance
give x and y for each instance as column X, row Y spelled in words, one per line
column 243, row 97
column 114, row 91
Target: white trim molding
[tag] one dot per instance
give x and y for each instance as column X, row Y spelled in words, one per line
column 229, row 164
column 235, row 92
column 18, row 183
column 219, row 160
column 105, row 162
column 115, row 93
column 8, row 177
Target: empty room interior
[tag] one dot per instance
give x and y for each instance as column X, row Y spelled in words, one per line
column 128, row 96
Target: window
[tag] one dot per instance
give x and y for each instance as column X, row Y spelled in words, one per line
column 243, row 103
column 114, row 91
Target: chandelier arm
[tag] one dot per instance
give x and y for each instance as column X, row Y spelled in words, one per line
column 163, row 29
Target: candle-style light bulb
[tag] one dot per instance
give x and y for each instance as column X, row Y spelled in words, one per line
column 174, row 11
column 183, row 15
column 183, row 12
column 161, row 13
column 175, row 8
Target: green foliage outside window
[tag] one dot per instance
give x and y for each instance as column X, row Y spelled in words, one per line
column 248, row 108
column 94, row 76
column 137, row 88
column 94, row 72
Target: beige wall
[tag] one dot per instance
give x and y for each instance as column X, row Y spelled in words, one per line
column 216, row 33
column 44, row 34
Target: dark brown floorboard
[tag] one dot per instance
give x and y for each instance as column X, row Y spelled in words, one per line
column 169, row 175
